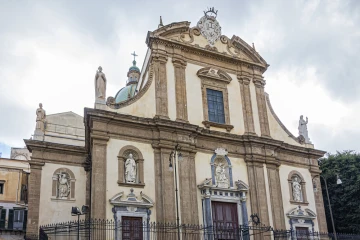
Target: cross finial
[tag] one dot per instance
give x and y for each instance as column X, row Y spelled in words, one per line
column 134, row 54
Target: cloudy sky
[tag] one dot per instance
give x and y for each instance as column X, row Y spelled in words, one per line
column 50, row 50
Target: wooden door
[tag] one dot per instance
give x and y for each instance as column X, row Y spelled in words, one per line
column 225, row 220
column 302, row 233
column 132, row 228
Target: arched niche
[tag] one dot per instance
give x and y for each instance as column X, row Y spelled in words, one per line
column 297, row 176
column 137, row 156
column 63, row 184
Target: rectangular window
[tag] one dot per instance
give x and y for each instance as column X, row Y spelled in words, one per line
column 215, row 103
column 1, row 188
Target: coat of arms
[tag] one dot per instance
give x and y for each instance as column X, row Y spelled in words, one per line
column 209, row 26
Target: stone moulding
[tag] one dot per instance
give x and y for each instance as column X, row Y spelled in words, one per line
column 279, row 121
column 157, row 132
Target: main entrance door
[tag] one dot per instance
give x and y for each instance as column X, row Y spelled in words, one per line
column 302, row 233
column 132, row 228
column 225, row 220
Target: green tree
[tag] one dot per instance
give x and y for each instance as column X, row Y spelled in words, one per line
column 344, row 198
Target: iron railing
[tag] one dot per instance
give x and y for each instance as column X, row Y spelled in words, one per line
column 108, row 229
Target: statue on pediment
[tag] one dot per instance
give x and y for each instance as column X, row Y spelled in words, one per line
column 100, row 84
column 303, row 131
column 40, row 118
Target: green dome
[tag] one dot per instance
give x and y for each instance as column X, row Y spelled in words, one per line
column 125, row 93
column 134, row 67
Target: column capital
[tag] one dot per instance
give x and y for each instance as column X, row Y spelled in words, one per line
column 259, row 82
column 179, row 62
column 36, row 165
column 244, row 78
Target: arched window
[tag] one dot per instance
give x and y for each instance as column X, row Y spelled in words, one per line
column 130, row 167
column 297, row 187
column 63, row 184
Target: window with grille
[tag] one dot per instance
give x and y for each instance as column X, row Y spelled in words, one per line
column 215, row 103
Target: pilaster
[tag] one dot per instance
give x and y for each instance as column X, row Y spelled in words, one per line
column 319, row 200
column 244, row 81
column 277, row 208
column 257, row 189
column 160, row 58
column 188, row 189
column 98, row 176
column 180, row 89
column 164, row 187
column 261, row 103
column 32, row 229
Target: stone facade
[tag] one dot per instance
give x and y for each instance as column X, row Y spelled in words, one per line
column 171, row 107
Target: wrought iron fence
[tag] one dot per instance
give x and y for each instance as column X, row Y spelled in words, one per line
column 137, row 230
column 126, row 230
column 300, row 235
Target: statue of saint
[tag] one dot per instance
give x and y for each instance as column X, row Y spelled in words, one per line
column 296, row 190
column 40, row 118
column 303, row 129
column 220, row 176
column 64, row 186
column 130, row 169
column 100, row 84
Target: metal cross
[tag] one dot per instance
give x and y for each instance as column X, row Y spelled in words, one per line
column 134, row 54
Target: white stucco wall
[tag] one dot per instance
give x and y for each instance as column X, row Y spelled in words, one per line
column 143, row 107
column 276, row 131
column 235, row 106
column 284, row 171
column 56, row 211
column 112, row 187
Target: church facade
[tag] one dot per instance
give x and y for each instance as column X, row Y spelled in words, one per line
column 199, row 93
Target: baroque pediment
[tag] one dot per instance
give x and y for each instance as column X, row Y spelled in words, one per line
column 215, row 74
column 298, row 212
column 233, row 47
column 131, row 200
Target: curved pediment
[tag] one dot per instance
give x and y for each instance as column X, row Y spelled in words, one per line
column 215, row 74
column 234, row 47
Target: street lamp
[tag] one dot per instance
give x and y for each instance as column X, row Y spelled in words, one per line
column 338, row 181
column 75, row 211
column 175, row 155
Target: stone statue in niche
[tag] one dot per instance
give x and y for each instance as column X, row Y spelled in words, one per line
column 303, row 131
column 100, row 85
column 220, row 176
column 40, row 118
column 296, row 190
column 130, row 169
column 63, row 185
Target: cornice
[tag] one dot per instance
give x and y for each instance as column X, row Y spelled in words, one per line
column 187, row 47
column 50, row 146
column 196, row 132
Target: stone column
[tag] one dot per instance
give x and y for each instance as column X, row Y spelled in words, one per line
column 277, row 208
column 98, row 177
column 246, row 104
column 180, row 89
column 258, row 198
column 32, row 229
column 164, row 187
column 161, row 93
column 244, row 209
column 261, row 103
column 188, row 190
column 319, row 201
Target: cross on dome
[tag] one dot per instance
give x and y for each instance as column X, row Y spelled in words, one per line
column 134, row 54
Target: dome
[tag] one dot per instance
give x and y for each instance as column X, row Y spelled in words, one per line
column 134, row 67
column 125, row 93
